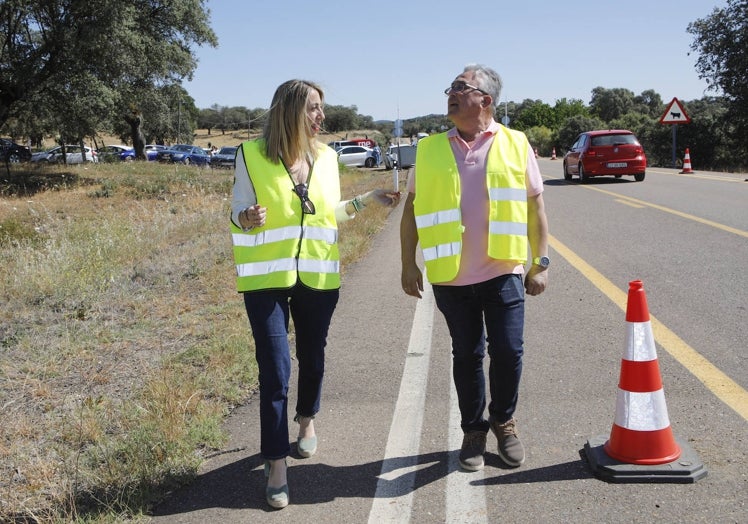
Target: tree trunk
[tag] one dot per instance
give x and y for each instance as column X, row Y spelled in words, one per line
column 135, row 119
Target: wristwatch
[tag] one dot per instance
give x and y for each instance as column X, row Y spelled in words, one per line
column 543, row 262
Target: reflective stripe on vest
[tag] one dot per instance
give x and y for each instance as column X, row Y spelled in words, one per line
column 437, row 202
column 290, row 246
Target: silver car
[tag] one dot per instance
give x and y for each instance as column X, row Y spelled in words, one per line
column 356, row 156
column 73, row 154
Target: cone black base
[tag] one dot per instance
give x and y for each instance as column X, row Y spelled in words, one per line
column 687, row 469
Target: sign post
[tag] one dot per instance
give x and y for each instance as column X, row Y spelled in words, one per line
column 398, row 132
column 675, row 114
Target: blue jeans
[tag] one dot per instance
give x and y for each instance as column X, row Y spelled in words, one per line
column 499, row 305
column 268, row 312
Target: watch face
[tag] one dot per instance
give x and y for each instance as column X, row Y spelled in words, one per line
column 545, row 261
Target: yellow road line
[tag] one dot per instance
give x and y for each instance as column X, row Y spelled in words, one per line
column 726, row 389
column 704, row 221
column 632, row 204
column 739, row 177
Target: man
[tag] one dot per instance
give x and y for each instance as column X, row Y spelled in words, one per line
column 474, row 203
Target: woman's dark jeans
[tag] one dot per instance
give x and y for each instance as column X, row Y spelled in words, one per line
column 500, row 304
column 268, row 312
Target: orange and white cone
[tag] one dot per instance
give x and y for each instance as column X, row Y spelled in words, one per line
column 641, row 431
column 553, row 154
column 687, row 163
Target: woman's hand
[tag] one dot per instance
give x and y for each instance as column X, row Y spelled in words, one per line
column 383, row 197
column 253, row 216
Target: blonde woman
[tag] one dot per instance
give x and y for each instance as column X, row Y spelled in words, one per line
column 285, row 210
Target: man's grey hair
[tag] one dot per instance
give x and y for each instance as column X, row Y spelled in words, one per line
column 487, row 79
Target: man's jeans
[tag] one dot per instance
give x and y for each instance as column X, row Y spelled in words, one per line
column 500, row 303
column 268, row 312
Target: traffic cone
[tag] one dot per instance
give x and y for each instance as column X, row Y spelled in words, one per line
column 553, row 154
column 687, row 164
column 641, row 446
column 641, row 432
column 536, row 152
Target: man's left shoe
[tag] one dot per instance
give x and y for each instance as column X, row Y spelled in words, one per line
column 511, row 450
column 471, row 452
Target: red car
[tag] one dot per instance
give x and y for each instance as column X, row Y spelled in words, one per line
column 611, row 152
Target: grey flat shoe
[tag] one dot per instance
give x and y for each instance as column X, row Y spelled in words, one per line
column 307, row 446
column 276, row 497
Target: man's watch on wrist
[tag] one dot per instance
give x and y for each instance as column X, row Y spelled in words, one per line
column 543, row 261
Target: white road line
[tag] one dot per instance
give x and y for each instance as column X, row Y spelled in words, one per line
column 465, row 503
column 393, row 500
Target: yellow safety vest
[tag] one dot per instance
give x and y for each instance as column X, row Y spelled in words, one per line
column 437, row 202
column 291, row 245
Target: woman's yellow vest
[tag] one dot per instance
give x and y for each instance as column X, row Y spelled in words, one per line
column 291, row 245
column 437, row 202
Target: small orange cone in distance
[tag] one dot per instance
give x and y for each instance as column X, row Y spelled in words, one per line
column 687, row 163
column 641, row 431
column 553, row 154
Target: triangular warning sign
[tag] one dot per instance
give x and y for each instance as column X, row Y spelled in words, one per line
column 675, row 114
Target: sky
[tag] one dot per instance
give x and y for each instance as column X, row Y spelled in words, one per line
column 394, row 59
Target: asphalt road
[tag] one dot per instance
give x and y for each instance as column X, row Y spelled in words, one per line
column 388, row 428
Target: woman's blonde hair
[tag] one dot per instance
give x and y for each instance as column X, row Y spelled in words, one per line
column 286, row 132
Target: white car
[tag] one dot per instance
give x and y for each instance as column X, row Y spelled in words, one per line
column 356, row 156
column 73, row 154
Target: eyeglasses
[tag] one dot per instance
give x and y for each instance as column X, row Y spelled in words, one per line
column 307, row 206
column 460, row 87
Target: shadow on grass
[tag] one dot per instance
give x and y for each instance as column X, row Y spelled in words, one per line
column 27, row 180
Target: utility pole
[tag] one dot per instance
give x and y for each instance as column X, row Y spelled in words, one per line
column 179, row 119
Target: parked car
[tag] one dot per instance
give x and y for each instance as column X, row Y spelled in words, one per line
column 151, row 152
column 404, row 154
column 225, row 157
column 356, row 156
column 184, row 154
column 13, row 153
column 113, row 153
column 73, row 154
column 612, row 152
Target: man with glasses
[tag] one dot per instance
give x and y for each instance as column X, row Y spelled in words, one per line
column 474, row 204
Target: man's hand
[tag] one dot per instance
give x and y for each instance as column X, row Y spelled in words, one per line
column 536, row 280
column 412, row 280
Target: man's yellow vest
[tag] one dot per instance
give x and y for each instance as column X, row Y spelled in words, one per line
column 291, row 245
column 437, row 202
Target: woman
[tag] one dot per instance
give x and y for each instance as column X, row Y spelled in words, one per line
column 285, row 210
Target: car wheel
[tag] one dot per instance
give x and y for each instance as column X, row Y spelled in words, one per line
column 639, row 177
column 583, row 178
column 186, row 161
column 369, row 162
column 14, row 158
column 567, row 175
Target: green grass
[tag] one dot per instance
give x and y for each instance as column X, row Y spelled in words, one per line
column 123, row 343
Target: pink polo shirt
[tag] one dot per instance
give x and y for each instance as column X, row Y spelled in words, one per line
column 475, row 264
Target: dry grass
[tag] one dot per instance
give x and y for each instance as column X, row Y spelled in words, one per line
column 123, row 343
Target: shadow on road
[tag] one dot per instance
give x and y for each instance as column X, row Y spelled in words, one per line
column 240, row 484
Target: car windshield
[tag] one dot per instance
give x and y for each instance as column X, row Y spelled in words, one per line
column 227, row 151
column 182, row 148
column 609, row 140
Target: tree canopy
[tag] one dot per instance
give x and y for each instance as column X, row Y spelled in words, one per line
column 721, row 39
column 75, row 67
